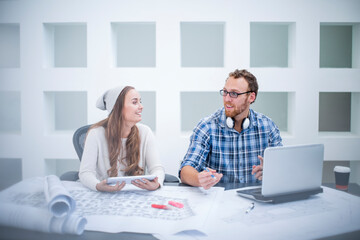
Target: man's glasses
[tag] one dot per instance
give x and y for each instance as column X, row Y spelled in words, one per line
column 232, row 94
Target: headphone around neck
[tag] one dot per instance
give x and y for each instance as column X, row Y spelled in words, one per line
column 244, row 125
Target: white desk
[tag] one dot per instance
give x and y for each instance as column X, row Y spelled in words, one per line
column 230, row 221
column 322, row 215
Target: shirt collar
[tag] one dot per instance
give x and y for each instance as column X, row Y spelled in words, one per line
column 253, row 121
column 222, row 119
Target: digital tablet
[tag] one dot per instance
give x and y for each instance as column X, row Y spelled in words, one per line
column 128, row 179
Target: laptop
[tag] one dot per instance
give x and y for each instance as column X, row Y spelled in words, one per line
column 289, row 173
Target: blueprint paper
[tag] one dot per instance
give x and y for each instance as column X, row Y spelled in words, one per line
column 39, row 219
column 60, row 203
column 127, row 210
column 131, row 211
column 14, row 215
column 24, row 205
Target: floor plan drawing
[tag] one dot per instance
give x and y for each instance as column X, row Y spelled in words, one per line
column 127, row 210
column 128, row 203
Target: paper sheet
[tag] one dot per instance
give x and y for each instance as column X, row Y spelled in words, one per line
column 131, row 211
column 40, row 204
column 59, row 201
column 39, row 219
column 330, row 213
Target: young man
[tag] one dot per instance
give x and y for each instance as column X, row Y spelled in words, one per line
column 228, row 145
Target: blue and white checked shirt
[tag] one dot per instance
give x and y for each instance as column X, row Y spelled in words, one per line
column 227, row 151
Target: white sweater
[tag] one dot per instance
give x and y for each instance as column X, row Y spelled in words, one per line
column 95, row 159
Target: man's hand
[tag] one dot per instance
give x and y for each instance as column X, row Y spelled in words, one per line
column 258, row 170
column 104, row 187
column 206, row 180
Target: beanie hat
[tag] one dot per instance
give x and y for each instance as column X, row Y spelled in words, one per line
column 108, row 99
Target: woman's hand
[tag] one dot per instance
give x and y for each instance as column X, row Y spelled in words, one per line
column 104, row 187
column 146, row 184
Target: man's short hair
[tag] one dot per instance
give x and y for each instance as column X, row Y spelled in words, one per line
column 249, row 77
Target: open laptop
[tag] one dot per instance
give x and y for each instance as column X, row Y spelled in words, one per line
column 289, row 173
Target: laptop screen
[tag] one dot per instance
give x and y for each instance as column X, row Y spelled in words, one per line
column 292, row 169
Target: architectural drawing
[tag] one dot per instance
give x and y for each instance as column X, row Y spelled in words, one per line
column 101, row 211
column 128, row 203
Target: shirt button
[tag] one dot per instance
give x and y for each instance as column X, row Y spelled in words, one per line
column 241, row 179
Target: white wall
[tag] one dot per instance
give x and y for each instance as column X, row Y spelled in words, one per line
column 37, row 74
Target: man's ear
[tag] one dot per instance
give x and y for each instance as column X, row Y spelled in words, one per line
column 252, row 97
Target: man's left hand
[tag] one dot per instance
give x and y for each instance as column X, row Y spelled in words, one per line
column 258, row 170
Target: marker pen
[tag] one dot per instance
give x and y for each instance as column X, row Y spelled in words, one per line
column 251, row 207
column 212, row 175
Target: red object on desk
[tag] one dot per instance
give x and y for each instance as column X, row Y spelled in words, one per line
column 176, row 204
column 158, row 206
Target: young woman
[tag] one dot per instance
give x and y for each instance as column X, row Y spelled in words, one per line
column 119, row 145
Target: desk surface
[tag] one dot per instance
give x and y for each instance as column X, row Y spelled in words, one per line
column 354, row 188
column 15, row 233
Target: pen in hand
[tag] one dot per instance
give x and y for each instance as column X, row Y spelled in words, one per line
column 251, row 207
column 212, row 175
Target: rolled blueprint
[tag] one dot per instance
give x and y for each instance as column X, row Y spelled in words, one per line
column 60, row 202
column 39, row 219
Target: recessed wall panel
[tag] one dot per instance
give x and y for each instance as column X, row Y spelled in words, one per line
column 202, row 44
column 275, row 106
column 65, row 111
column 135, row 44
column 197, row 105
column 334, row 111
column 10, row 112
column 10, row 172
column 60, row 166
column 335, row 46
column 9, row 45
column 65, row 45
column 269, row 44
column 148, row 99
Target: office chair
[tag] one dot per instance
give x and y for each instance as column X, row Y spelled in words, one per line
column 79, row 142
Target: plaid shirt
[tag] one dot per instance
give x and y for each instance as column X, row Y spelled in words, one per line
column 227, row 151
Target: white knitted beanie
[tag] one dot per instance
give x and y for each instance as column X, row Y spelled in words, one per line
column 107, row 100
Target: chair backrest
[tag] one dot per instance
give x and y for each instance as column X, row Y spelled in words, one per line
column 79, row 140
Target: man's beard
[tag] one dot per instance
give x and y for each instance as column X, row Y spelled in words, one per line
column 236, row 110
column 232, row 113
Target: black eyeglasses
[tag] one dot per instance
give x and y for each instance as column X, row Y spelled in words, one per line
column 232, row 94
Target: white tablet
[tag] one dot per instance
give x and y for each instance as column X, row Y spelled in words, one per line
column 128, row 179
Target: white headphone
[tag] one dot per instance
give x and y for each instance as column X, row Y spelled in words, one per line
column 244, row 125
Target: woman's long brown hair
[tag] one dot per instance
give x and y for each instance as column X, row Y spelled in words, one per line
column 113, row 130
